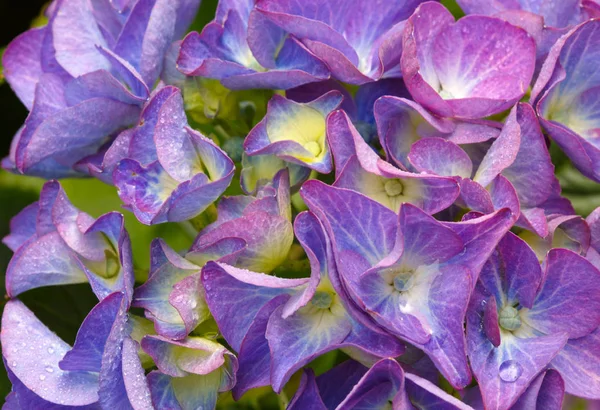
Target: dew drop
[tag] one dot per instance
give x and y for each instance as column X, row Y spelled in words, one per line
column 510, row 371
column 50, row 350
column 49, row 369
column 42, row 377
column 14, row 364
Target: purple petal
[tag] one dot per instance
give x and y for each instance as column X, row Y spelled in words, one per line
column 32, row 350
column 490, row 321
column 224, row 284
column 381, row 384
column 254, row 354
column 556, row 14
column 43, row 261
column 566, row 81
column 579, row 366
column 307, row 396
column 440, row 157
column 427, row 395
column 300, row 338
column 480, row 237
column 78, row 131
column 502, row 153
column 146, row 36
column 76, row 35
column 425, row 241
column 22, row 66
column 162, row 391
column 134, row 378
column 192, row 355
column 567, row 300
column 335, row 384
column 21, row 397
column 353, row 223
column 86, row 354
column 22, row 227
column 164, row 285
column 532, row 172
column 99, row 84
column 464, row 84
column 545, row 392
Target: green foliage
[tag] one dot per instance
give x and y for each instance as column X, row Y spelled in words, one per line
column 454, row 8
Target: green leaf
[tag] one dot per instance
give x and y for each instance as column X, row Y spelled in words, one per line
column 454, row 8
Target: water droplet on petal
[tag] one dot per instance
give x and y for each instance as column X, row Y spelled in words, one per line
column 14, row 364
column 50, row 350
column 510, row 371
column 42, row 377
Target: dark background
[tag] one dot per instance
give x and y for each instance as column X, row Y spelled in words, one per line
column 15, row 18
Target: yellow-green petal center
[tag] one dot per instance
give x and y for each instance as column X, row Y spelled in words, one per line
column 393, row 187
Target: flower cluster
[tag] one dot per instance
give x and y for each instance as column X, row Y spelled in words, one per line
column 395, row 212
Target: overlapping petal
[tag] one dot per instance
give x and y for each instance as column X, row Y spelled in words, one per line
column 84, row 76
column 360, row 169
column 166, row 171
column 244, row 50
column 358, row 40
column 69, row 246
column 295, row 132
column 530, row 317
column 472, row 68
column 566, row 96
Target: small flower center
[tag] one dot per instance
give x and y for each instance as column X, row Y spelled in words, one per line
column 322, row 300
column 509, row 318
column 402, row 282
column 313, row 147
column 393, row 187
column 113, row 265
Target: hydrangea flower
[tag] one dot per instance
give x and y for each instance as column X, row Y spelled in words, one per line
column 295, row 132
column 243, row 50
column 370, row 208
column 164, row 170
column 56, row 244
column 288, row 322
column 259, row 228
column 517, row 322
column 358, row 40
column 401, row 275
column 360, row 169
column 359, row 106
column 85, row 75
column 566, row 97
column 518, row 154
column 472, row 68
column 402, row 122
